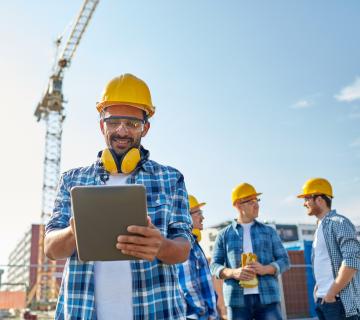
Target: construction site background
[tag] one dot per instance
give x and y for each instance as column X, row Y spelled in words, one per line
column 33, row 282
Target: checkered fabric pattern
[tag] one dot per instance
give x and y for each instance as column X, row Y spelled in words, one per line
column 344, row 249
column 196, row 284
column 156, row 293
column 269, row 250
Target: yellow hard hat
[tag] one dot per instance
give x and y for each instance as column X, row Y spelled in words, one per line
column 127, row 89
column 316, row 186
column 193, row 203
column 242, row 191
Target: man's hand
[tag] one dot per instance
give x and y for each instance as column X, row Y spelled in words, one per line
column 144, row 244
column 244, row 273
column 260, row 269
column 329, row 298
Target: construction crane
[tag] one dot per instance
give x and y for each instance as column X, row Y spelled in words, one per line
column 51, row 110
column 51, row 107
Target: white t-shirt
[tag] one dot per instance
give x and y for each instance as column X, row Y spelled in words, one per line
column 247, row 247
column 113, row 281
column 322, row 265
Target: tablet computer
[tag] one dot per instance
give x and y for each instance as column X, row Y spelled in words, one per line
column 101, row 214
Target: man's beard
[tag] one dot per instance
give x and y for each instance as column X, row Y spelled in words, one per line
column 134, row 143
column 315, row 211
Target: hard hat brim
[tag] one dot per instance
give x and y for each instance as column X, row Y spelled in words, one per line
column 149, row 110
column 301, row 196
column 247, row 197
column 198, row 205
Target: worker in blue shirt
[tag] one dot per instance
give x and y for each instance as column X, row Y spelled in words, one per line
column 261, row 299
column 194, row 274
column 138, row 289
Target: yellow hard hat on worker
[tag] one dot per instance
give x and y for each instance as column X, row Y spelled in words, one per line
column 194, row 203
column 315, row 186
column 242, row 191
column 129, row 90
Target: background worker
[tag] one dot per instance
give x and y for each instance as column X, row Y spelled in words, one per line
column 244, row 235
column 194, row 274
column 140, row 289
column 335, row 255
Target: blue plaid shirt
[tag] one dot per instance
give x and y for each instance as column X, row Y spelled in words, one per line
column 269, row 250
column 156, row 293
column 196, row 284
column 344, row 249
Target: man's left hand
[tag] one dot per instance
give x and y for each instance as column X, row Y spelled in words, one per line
column 260, row 269
column 144, row 244
column 328, row 298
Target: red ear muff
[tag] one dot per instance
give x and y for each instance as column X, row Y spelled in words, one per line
column 126, row 164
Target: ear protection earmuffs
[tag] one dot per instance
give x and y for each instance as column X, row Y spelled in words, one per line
column 126, row 164
column 197, row 233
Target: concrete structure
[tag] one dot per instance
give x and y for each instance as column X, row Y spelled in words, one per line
column 30, row 271
column 23, row 261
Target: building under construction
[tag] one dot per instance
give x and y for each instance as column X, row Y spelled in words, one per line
column 29, row 271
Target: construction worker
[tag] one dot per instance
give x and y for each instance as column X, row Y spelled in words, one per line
column 194, row 274
column 249, row 256
column 141, row 289
column 335, row 255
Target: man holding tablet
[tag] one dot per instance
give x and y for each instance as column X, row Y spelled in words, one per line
column 138, row 289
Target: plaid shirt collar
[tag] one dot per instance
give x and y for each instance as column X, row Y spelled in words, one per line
column 235, row 224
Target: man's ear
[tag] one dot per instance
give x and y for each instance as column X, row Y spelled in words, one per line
column 146, row 129
column 102, row 125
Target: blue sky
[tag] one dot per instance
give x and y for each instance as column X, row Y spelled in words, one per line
column 262, row 92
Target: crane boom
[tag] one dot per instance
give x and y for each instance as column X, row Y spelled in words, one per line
column 73, row 41
column 52, row 98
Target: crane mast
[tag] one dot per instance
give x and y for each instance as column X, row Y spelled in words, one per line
column 51, row 110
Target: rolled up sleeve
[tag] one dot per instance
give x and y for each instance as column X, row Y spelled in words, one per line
column 218, row 258
column 349, row 245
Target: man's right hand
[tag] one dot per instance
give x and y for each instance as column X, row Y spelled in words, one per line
column 245, row 273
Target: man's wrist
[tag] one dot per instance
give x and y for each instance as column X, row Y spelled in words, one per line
column 270, row 269
column 332, row 292
column 226, row 273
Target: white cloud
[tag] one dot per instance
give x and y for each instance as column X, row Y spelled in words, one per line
column 302, row 104
column 355, row 143
column 290, row 200
column 350, row 93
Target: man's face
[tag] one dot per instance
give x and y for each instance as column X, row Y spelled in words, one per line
column 249, row 207
column 197, row 218
column 117, row 133
column 313, row 209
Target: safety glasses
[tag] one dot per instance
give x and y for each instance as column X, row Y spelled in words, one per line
column 129, row 123
column 251, row 201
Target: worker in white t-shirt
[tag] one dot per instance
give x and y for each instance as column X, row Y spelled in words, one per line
column 335, row 255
